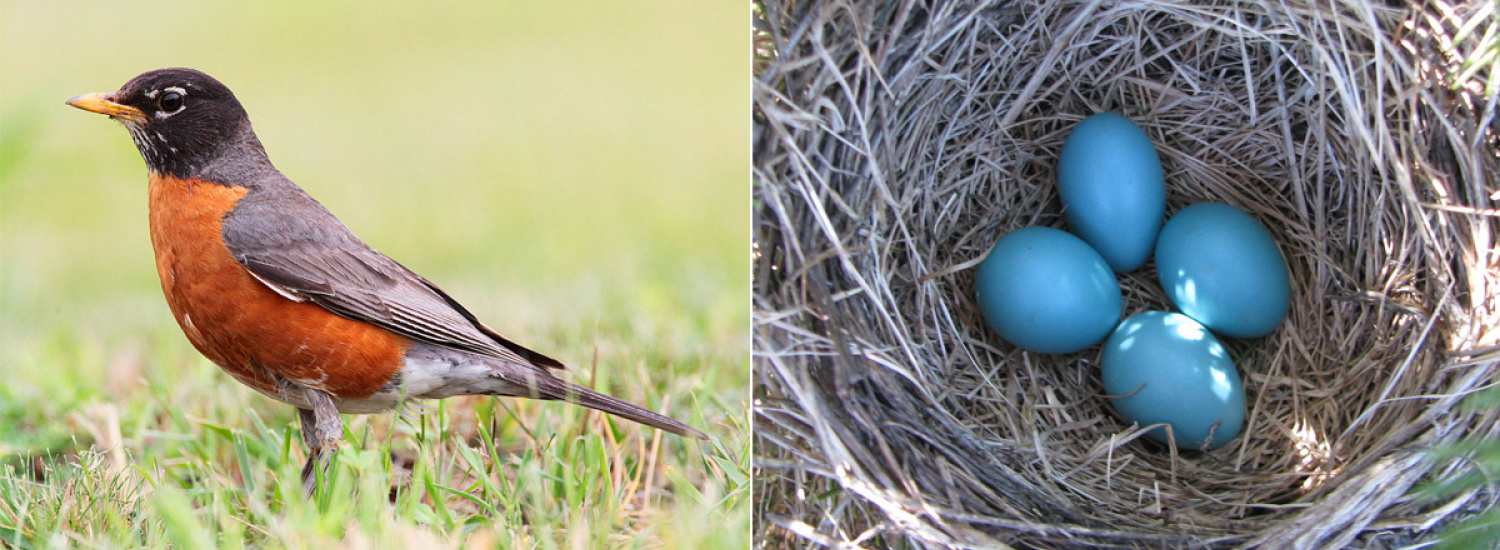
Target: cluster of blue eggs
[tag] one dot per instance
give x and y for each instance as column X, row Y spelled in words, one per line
column 1050, row 291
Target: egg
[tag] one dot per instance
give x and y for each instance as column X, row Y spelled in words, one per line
column 1113, row 192
column 1165, row 368
column 1220, row 267
column 1045, row 290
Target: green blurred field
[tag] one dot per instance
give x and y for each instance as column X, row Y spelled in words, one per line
column 575, row 173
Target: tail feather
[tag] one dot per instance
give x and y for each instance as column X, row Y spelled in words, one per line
column 554, row 388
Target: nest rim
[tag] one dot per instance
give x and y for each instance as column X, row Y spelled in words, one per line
column 870, row 148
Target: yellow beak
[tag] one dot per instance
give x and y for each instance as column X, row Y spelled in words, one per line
column 104, row 105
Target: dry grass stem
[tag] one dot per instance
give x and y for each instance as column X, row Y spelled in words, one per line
column 896, row 141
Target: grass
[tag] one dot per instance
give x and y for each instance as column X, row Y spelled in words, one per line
column 1484, row 56
column 1481, row 529
column 575, row 174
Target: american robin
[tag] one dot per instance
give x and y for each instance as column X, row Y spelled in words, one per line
column 269, row 285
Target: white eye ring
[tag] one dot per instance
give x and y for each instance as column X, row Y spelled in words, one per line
column 168, row 105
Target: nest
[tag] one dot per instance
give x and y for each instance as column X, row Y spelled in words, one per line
column 896, row 141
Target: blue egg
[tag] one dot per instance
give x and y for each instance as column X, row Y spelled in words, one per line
column 1112, row 188
column 1174, row 372
column 1222, row 269
column 1046, row 291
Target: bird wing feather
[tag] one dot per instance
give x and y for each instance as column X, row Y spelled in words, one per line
column 300, row 250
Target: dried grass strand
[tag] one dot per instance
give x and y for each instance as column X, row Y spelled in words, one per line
column 895, row 141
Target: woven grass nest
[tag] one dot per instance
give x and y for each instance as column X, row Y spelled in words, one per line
column 896, row 141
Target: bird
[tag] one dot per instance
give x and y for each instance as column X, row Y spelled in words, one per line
column 269, row 285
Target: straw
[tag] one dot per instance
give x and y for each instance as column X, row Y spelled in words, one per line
column 896, row 141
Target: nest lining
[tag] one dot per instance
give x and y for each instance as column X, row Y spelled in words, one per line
column 896, row 141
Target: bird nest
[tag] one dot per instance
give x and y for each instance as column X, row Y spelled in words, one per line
column 896, row 141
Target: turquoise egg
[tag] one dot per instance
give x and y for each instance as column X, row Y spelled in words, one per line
column 1174, row 372
column 1044, row 290
column 1222, row 269
column 1112, row 188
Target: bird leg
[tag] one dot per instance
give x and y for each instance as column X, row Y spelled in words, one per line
column 321, row 428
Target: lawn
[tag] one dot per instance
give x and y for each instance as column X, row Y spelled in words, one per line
column 574, row 173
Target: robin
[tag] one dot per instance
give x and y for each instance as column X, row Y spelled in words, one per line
column 269, row 285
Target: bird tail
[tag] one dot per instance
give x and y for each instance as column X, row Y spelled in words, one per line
column 551, row 387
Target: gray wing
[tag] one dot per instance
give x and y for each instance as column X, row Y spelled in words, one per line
column 299, row 249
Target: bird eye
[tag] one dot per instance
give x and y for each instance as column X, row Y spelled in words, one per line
column 169, row 102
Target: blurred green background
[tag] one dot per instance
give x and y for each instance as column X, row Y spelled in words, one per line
column 533, row 146
column 576, row 173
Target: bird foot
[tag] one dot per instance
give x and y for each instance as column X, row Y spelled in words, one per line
column 321, row 430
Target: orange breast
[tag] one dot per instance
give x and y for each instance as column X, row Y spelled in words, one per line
column 242, row 325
